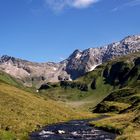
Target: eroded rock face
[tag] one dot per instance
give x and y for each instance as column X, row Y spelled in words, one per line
column 77, row 64
column 84, row 61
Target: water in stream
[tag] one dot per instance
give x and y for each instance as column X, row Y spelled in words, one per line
column 72, row 130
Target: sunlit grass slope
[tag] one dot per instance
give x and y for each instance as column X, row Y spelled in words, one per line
column 121, row 124
column 125, row 105
column 22, row 112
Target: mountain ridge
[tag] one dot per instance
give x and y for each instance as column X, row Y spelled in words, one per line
column 76, row 65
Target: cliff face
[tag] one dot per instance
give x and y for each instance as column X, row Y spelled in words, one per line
column 77, row 64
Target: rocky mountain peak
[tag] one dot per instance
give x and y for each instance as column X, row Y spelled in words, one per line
column 76, row 54
column 92, row 57
column 131, row 39
column 6, row 58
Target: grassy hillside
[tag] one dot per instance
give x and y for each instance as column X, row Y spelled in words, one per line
column 80, row 93
column 124, row 100
column 125, row 105
column 22, row 112
column 93, row 87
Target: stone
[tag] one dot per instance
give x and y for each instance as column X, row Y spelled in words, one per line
column 61, row 131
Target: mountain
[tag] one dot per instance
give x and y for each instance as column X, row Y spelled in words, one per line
column 81, row 62
column 76, row 65
column 30, row 73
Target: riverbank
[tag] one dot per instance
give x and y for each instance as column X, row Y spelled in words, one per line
column 120, row 124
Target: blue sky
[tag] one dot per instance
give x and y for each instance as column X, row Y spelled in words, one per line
column 50, row 30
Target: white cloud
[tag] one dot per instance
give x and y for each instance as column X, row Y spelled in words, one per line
column 130, row 3
column 83, row 3
column 133, row 3
column 59, row 5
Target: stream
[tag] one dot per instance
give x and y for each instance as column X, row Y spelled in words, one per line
column 72, row 130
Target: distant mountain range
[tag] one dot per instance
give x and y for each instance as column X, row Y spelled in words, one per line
column 76, row 65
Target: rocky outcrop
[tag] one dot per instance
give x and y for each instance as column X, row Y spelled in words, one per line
column 76, row 65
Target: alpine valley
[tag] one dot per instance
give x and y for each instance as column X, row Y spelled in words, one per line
column 102, row 82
